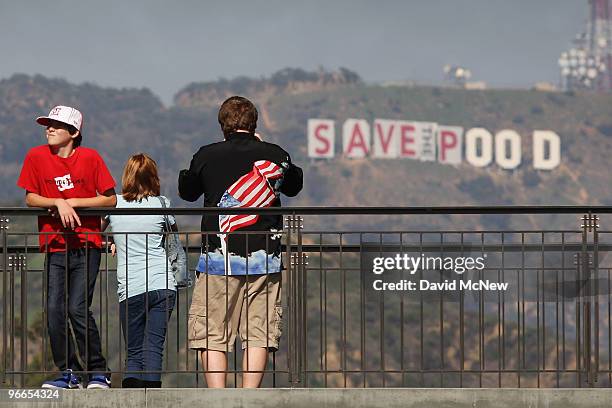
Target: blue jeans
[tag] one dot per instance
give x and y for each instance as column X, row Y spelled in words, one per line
column 144, row 321
column 71, row 280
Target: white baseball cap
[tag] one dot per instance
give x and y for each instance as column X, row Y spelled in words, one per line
column 64, row 114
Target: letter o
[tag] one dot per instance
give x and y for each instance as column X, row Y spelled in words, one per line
column 501, row 158
column 471, row 152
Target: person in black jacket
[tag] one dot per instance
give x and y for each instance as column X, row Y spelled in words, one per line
column 238, row 289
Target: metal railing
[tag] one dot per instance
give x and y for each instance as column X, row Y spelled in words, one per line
column 550, row 328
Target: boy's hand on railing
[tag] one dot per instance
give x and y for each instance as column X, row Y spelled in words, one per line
column 113, row 249
column 66, row 214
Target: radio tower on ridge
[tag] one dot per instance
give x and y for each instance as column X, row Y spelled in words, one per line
column 588, row 64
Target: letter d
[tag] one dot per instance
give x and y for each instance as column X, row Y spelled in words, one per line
column 540, row 138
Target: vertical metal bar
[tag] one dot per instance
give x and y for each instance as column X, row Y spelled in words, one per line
column 421, row 322
column 146, row 293
column 579, row 303
column 65, row 300
column 588, row 322
column 324, row 283
column 381, row 318
column 521, row 312
column 305, row 320
column 295, row 305
column 12, row 312
column 461, row 325
column 557, row 360
column 587, row 297
column 578, row 306
column 274, row 373
column 502, row 323
column 68, row 326
column 100, row 283
column 402, row 367
column 290, row 303
column 301, row 292
column 518, row 326
column 563, row 280
column 343, row 313
column 24, row 312
column 321, row 327
column 3, row 242
column 168, row 317
column 538, row 326
column 86, row 306
column 441, row 317
column 362, row 319
column 177, row 314
column 595, row 297
column 481, row 321
column 123, row 361
column 227, row 322
column 543, row 303
column 197, row 363
column 245, row 355
column 44, row 306
column 106, row 291
column 608, row 292
column 268, row 237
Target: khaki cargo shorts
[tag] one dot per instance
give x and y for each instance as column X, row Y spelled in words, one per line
column 223, row 306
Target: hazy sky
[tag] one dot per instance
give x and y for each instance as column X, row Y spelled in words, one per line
column 164, row 45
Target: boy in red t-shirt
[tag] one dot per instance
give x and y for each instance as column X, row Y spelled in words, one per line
column 62, row 176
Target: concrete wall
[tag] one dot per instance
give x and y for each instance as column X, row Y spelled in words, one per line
column 324, row 398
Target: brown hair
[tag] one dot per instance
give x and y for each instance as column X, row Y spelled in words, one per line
column 140, row 179
column 237, row 113
column 76, row 142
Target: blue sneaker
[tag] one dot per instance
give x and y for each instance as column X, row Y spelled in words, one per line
column 98, row 381
column 67, row 381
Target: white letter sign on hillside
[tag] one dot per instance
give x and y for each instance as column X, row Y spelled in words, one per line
column 385, row 144
column 409, row 140
column 541, row 139
column 356, row 138
column 478, row 147
column 507, row 149
column 450, row 144
column 321, row 138
column 430, row 141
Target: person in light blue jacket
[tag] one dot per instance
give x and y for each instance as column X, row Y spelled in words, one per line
column 146, row 285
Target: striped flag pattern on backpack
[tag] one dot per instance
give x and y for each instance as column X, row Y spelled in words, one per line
column 254, row 189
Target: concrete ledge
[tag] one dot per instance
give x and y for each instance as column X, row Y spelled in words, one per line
column 331, row 397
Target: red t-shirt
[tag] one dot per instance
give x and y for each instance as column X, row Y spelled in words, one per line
column 81, row 175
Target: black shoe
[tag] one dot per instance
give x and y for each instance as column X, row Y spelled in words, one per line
column 132, row 382
column 152, row 384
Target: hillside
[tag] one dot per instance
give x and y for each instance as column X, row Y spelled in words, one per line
column 209, row 95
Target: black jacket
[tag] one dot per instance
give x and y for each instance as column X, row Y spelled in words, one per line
column 216, row 167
